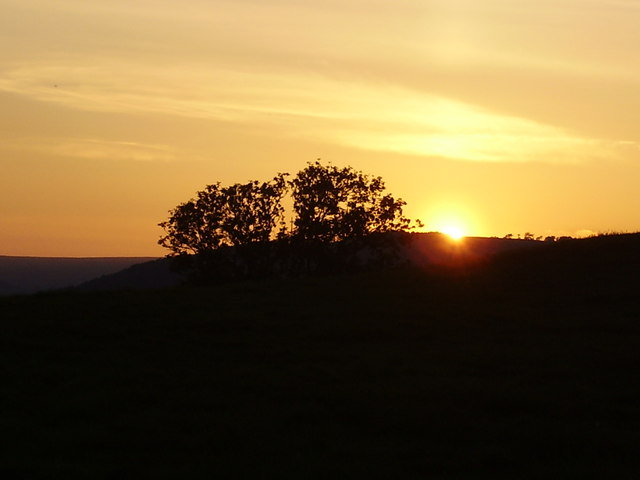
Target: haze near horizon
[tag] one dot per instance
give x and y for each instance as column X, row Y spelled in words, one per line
column 494, row 117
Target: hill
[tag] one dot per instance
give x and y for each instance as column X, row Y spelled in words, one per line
column 33, row 274
column 417, row 249
column 147, row 275
column 525, row 367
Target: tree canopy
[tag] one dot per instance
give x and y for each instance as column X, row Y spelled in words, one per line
column 226, row 216
column 333, row 204
column 330, row 204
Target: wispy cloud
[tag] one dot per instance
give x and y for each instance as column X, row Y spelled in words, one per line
column 489, row 81
column 93, row 149
column 375, row 117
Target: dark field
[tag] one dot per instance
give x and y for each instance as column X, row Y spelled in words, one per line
column 527, row 368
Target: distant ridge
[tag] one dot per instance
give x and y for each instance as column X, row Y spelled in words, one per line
column 148, row 275
column 25, row 275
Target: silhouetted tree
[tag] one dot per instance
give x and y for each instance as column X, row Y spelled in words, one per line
column 225, row 216
column 332, row 204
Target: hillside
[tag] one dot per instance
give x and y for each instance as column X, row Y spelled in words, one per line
column 525, row 367
column 417, row 249
column 147, row 275
column 25, row 275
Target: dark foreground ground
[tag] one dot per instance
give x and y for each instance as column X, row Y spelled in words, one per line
column 526, row 369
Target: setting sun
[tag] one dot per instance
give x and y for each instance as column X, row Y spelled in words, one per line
column 455, row 232
column 452, row 218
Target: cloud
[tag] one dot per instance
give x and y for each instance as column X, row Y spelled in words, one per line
column 366, row 116
column 93, row 149
column 463, row 80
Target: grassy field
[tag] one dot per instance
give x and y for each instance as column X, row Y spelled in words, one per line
column 526, row 368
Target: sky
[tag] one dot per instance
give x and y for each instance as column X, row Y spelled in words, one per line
column 494, row 116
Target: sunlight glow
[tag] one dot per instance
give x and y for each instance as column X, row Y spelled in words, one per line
column 452, row 219
column 455, row 232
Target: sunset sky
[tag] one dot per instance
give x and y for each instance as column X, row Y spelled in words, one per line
column 499, row 116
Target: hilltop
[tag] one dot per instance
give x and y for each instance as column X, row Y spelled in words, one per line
column 423, row 250
column 27, row 275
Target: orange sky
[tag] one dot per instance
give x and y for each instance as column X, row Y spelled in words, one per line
column 503, row 116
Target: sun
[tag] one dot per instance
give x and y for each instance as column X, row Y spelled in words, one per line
column 455, row 232
column 452, row 219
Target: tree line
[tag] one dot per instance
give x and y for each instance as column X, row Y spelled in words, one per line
column 244, row 231
column 330, row 204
